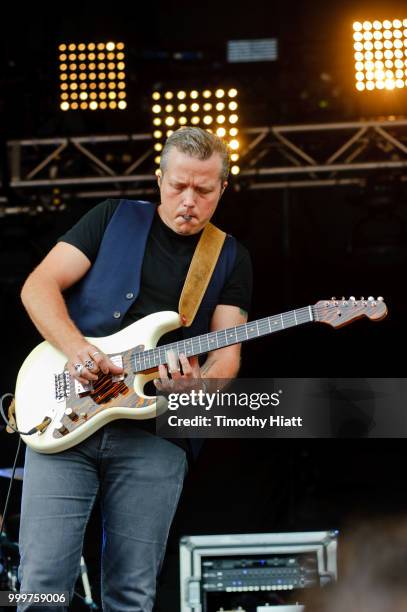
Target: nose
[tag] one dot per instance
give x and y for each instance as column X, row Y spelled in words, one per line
column 189, row 198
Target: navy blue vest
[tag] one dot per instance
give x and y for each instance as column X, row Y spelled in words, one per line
column 99, row 302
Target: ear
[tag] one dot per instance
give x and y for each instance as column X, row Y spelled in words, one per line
column 159, row 180
column 225, row 184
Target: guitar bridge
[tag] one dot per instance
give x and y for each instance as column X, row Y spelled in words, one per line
column 62, row 387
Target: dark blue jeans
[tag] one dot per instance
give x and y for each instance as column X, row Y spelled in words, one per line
column 139, row 478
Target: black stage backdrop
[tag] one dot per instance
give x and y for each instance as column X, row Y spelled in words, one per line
column 306, row 245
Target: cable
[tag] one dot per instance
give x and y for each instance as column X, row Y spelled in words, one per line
column 92, row 605
column 9, row 489
column 46, row 421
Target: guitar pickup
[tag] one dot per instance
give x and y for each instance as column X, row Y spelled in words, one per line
column 118, row 361
column 82, row 390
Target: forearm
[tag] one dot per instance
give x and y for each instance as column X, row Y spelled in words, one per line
column 46, row 307
column 218, row 367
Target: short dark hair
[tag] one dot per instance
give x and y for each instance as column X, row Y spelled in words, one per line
column 199, row 143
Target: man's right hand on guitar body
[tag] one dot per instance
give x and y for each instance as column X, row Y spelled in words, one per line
column 87, row 361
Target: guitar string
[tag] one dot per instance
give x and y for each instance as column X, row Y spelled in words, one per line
column 238, row 333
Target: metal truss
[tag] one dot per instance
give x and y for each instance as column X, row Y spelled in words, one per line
column 292, row 156
column 297, row 156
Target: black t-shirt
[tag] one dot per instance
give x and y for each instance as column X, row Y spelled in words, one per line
column 166, row 261
column 165, row 265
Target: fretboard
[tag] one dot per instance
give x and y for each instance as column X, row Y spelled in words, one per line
column 204, row 343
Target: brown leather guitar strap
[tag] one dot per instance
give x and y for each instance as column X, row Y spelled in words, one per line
column 200, row 271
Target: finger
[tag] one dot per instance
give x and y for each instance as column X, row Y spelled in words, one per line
column 113, row 367
column 158, row 384
column 172, row 362
column 80, row 377
column 102, row 362
column 80, row 371
column 196, row 369
column 194, row 361
column 186, row 367
column 107, row 365
column 163, row 373
column 88, row 371
column 97, row 357
column 164, row 384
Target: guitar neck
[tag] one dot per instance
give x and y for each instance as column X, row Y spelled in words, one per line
column 204, row 343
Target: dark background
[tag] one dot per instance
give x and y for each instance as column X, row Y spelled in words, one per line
column 306, row 245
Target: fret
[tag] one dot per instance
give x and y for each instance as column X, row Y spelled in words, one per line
column 206, row 339
column 161, row 354
column 144, row 360
column 251, row 330
column 187, row 347
column 230, row 334
column 223, row 341
column 275, row 324
column 211, row 339
column 288, row 317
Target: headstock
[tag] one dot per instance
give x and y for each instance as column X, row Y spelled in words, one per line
column 341, row 312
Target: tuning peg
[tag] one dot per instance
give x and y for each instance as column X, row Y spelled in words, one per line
column 333, row 299
column 343, row 298
column 380, row 299
column 362, row 299
column 370, row 299
column 352, row 298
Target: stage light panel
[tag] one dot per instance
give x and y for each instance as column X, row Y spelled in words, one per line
column 214, row 110
column 77, row 64
column 388, row 40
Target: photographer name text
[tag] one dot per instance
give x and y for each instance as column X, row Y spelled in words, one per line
column 224, row 421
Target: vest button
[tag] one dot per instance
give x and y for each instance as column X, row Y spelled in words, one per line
column 129, row 296
column 117, row 314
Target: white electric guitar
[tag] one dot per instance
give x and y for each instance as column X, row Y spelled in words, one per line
column 65, row 412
